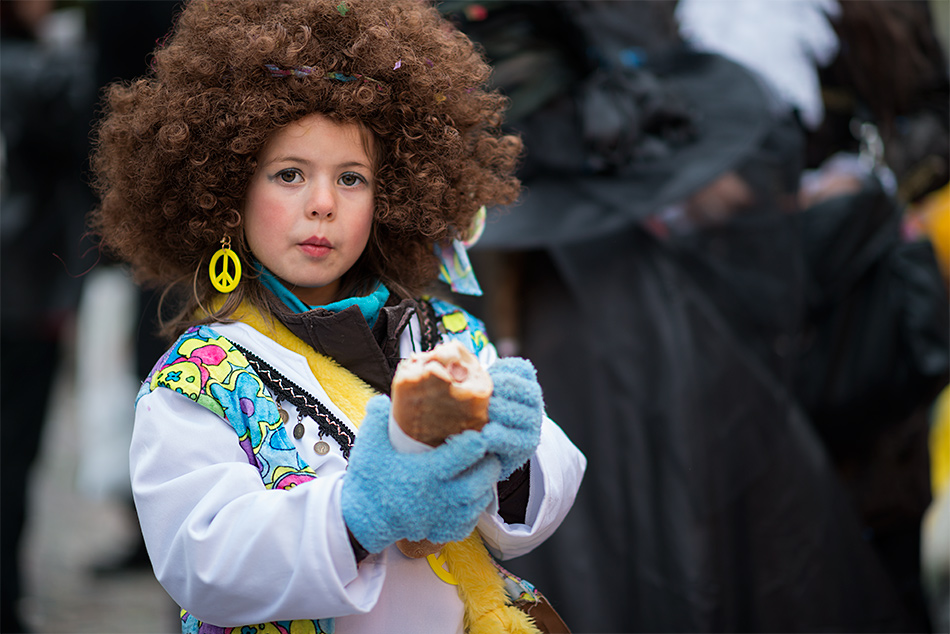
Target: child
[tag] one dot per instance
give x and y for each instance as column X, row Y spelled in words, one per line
column 295, row 168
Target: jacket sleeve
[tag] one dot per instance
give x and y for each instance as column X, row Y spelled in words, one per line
column 556, row 470
column 225, row 548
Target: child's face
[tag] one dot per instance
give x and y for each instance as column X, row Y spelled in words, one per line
column 309, row 205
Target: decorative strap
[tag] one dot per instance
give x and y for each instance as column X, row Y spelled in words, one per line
column 454, row 323
column 455, row 269
column 328, row 424
column 483, row 588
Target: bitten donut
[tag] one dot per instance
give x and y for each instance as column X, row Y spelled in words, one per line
column 441, row 392
column 436, row 394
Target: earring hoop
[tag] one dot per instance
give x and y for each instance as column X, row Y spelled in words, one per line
column 226, row 276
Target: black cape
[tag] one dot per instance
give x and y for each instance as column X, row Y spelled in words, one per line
column 673, row 349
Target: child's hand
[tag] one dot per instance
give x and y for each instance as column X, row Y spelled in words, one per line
column 515, row 412
column 436, row 495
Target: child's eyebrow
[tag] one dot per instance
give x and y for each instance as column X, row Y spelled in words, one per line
column 355, row 164
column 288, row 159
column 308, row 162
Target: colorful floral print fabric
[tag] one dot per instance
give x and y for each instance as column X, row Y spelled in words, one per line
column 210, row 370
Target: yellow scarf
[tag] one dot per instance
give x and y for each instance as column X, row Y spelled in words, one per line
column 480, row 587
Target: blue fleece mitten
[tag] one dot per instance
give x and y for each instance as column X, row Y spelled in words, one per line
column 515, row 412
column 436, row 495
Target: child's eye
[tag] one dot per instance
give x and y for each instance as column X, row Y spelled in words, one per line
column 349, row 179
column 289, row 175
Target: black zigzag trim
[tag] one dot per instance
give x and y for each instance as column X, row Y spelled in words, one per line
column 328, row 424
column 430, row 336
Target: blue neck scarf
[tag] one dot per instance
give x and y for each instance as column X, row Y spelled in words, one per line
column 369, row 305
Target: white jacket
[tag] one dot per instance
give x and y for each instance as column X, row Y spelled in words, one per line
column 231, row 552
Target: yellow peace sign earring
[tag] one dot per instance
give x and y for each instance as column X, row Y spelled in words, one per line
column 225, row 267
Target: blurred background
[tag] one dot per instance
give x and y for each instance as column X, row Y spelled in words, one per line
column 730, row 266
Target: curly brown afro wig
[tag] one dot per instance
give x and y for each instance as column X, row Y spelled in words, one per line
column 176, row 149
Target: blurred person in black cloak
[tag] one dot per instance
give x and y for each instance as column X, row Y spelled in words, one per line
column 125, row 34
column 662, row 276
column 45, row 109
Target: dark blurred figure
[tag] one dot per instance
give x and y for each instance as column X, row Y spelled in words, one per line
column 869, row 82
column 125, row 34
column 45, row 108
column 873, row 345
column 875, row 352
column 661, row 275
column 891, row 71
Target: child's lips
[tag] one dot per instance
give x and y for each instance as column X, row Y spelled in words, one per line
column 316, row 247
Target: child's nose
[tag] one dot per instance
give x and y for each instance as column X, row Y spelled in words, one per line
column 322, row 203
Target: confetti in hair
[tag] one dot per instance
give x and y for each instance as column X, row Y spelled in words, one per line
column 306, row 71
column 296, row 71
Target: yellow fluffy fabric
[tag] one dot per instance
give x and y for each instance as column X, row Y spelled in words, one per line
column 480, row 586
column 482, row 590
column 345, row 389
